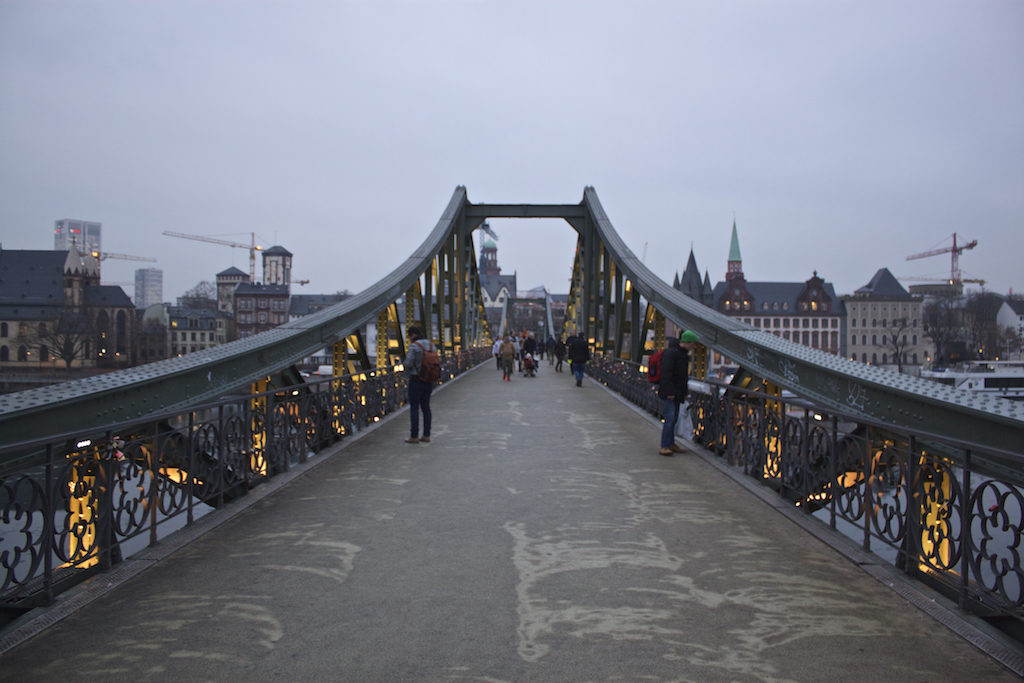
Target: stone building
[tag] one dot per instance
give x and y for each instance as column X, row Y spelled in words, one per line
column 54, row 313
column 885, row 325
column 808, row 312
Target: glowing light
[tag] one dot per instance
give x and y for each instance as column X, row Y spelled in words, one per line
column 83, row 444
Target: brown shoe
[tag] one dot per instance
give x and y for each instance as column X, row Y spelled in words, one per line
column 677, row 449
column 412, row 439
column 664, row 451
column 425, row 439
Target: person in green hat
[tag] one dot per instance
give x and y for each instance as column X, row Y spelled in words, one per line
column 672, row 388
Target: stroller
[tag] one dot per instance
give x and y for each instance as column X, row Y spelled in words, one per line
column 529, row 366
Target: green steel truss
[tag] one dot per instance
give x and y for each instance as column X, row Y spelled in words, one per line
column 615, row 302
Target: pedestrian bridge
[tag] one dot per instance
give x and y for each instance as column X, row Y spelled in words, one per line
column 539, row 536
column 99, row 475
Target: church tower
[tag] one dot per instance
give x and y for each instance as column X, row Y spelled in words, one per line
column 734, row 269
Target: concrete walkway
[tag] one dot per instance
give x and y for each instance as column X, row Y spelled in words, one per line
column 538, row 537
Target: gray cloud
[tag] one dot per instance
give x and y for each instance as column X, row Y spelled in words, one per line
column 841, row 135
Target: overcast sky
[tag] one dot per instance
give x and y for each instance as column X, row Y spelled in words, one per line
column 840, row 136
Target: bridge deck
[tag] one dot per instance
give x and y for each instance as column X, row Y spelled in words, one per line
column 538, row 537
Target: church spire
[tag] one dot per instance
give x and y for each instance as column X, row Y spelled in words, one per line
column 734, row 268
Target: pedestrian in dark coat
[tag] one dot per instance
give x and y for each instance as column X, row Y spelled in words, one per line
column 672, row 388
column 579, row 356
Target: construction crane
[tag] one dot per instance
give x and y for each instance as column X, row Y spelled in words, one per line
column 253, row 247
column 955, row 276
column 299, row 282
column 104, row 255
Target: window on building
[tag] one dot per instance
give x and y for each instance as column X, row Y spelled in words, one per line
column 914, row 342
column 5, row 354
column 44, row 354
column 3, row 330
column 874, row 340
column 853, row 322
column 22, row 353
column 874, row 357
column 814, row 305
column 263, row 317
column 806, row 339
column 785, row 323
column 814, row 323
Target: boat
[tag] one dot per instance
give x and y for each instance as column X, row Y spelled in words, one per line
column 1004, row 378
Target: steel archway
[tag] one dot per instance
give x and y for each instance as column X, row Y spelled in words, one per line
column 615, row 300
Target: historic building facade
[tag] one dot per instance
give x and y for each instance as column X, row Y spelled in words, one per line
column 54, row 313
column 808, row 312
column 885, row 325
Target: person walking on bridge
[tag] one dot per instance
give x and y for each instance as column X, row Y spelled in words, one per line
column 673, row 385
column 579, row 356
column 419, row 390
column 507, row 353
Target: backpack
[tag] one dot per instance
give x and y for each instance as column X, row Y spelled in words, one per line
column 654, row 368
column 430, row 368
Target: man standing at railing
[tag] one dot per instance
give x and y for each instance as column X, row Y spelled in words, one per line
column 419, row 389
column 675, row 371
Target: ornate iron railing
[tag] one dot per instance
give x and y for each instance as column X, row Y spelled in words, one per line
column 945, row 511
column 76, row 504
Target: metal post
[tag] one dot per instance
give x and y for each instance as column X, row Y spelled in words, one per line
column 965, row 533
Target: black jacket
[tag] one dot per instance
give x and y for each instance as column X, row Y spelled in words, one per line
column 675, row 370
column 579, row 352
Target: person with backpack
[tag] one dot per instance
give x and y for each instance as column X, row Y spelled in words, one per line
column 422, row 371
column 672, row 372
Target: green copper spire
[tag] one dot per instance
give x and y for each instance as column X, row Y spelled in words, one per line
column 734, row 248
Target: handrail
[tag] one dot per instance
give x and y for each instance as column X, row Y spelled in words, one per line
column 832, row 381
column 197, row 377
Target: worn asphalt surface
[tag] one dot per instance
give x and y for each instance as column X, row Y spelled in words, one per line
column 538, row 537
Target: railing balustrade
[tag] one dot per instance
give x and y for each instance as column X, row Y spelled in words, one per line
column 947, row 512
column 75, row 504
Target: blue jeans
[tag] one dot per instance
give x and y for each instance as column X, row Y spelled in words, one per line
column 419, row 399
column 577, row 370
column 670, row 409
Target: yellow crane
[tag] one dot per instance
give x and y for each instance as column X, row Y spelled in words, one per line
column 104, row 255
column 252, row 247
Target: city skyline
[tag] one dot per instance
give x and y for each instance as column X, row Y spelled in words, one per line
column 841, row 137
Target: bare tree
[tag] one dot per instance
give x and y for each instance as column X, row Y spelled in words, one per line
column 981, row 310
column 203, row 290
column 68, row 337
column 897, row 343
column 941, row 321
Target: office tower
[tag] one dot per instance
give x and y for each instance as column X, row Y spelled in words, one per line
column 83, row 234
column 149, row 287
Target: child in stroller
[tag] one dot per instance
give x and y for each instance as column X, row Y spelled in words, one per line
column 529, row 366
